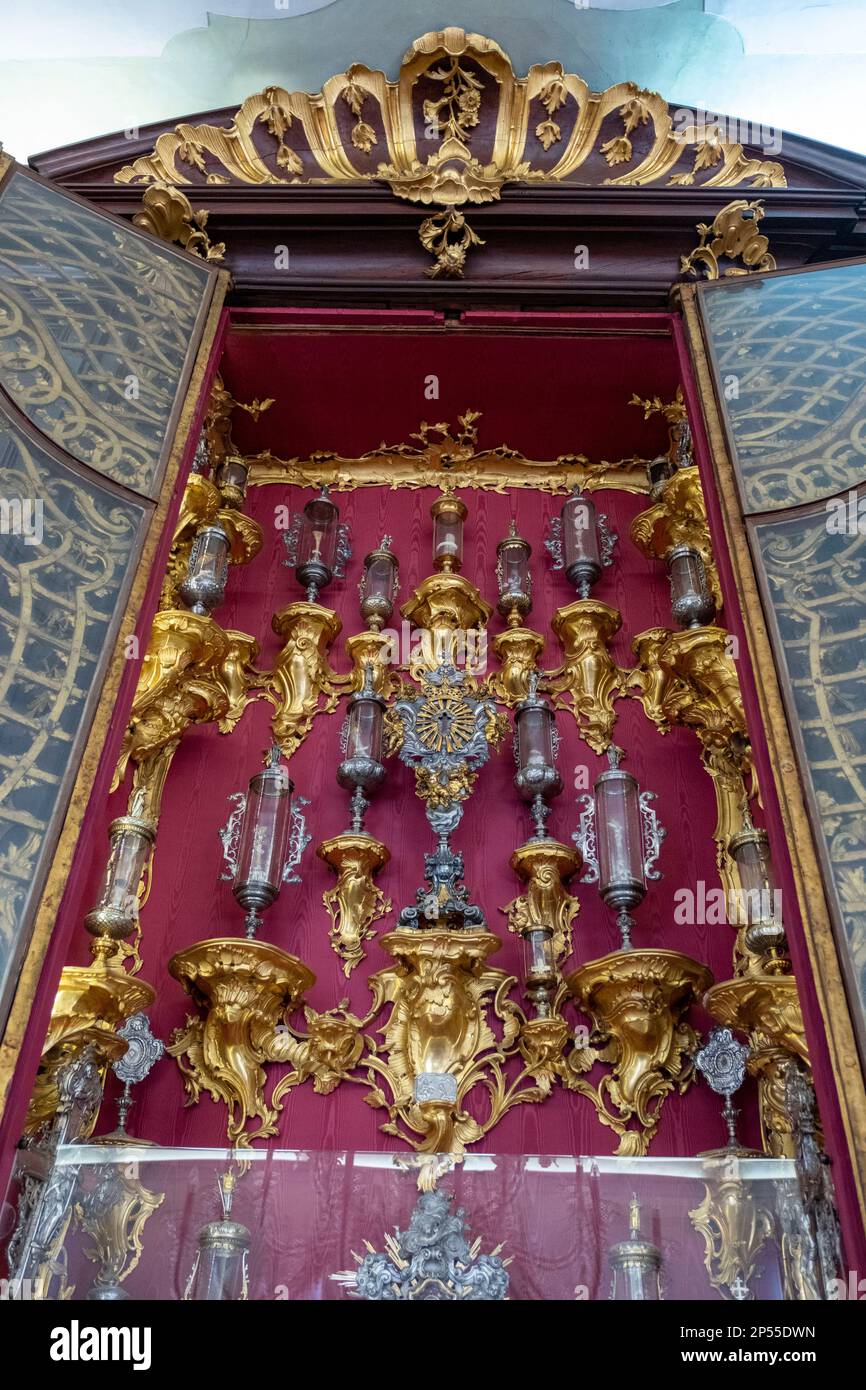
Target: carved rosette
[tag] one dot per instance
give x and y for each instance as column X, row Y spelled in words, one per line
column 546, row 867
column 302, row 684
column 245, row 989
column 355, row 902
column 637, row 1001
column 589, row 679
column 518, row 650
column 767, row 1009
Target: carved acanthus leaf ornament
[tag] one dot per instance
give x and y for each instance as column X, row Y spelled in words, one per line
column 454, row 128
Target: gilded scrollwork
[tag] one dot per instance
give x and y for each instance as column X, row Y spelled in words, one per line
column 442, row 455
column 246, row 989
column 546, row 867
column 301, row 683
column 168, row 213
column 589, row 680
column 732, row 236
column 637, row 1001
column 475, row 87
column 355, row 902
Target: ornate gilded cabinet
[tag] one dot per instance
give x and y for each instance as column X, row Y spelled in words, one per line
column 640, row 518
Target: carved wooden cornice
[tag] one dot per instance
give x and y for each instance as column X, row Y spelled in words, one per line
column 454, row 128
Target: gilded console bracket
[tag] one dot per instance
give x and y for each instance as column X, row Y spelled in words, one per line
column 767, row 1009
column 446, row 607
column 545, row 866
column 355, row 902
column 734, row 1223
column 91, row 1001
column 302, row 684
column 637, row 1001
column 589, row 679
column 518, row 650
column 246, row 989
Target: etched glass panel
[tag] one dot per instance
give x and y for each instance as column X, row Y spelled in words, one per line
column 67, row 546
column 790, row 353
column 96, row 324
column 816, row 580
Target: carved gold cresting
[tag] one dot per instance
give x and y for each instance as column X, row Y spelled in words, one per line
column 280, row 137
column 732, row 236
column 445, row 455
column 168, row 213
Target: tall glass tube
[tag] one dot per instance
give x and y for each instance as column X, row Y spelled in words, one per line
column 581, row 550
column 204, row 587
column 448, row 514
column 263, row 841
column 116, row 913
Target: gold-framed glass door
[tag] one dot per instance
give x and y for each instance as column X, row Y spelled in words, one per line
column 104, row 336
column 780, row 359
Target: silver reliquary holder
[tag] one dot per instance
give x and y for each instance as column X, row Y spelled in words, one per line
column 318, row 545
column 204, row 587
column 256, row 839
column 379, row 585
column 580, row 542
column 362, row 769
column 536, row 747
column 619, row 836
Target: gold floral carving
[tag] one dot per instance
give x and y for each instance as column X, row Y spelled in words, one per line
column 246, row 989
column 545, row 866
column 475, row 87
column 589, row 679
column 355, row 902
column 218, row 420
column 168, row 213
column 637, row 1001
column 444, row 457
column 302, row 684
column 448, row 237
column 518, row 650
column 732, row 236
